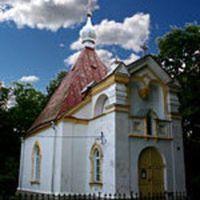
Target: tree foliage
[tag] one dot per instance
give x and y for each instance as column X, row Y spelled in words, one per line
column 29, row 103
column 13, row 122
column 4, row 93
column 54, row 83
column 19, row 107
column 180, row 56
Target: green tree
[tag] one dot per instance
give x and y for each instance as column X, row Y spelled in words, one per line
column 29, row 103
column 9, row 146
column 179, row 52
column 54, row 83
column 19, row 107
column 4, row 93
column 13, row 122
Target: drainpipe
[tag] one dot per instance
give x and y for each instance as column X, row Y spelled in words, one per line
column 53, row 126
column 21, row 169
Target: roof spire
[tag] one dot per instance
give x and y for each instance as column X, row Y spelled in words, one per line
column 88, row 34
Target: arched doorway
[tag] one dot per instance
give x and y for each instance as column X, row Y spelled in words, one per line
column 151, row 172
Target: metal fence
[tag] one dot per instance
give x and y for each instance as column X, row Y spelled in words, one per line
column 131, row 196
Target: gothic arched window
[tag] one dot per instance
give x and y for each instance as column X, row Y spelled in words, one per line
column 36, row 162
column 96, row 158
column 97, row 165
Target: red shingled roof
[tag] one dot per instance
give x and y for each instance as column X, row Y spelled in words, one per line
column 88, row 68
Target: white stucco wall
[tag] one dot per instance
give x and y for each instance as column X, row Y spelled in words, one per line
column 154, row 101
column 85, row 112
column 46, row 141
column 178, row 156
column 74, row 158
column 106, row 125
column 122, row 154
column 77, row 145
column 128, row 151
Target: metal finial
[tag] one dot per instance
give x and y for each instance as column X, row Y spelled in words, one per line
column 117, row 60
column 145, row 49
column 89, row 8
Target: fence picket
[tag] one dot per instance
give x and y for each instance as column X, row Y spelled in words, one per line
column 116, row 196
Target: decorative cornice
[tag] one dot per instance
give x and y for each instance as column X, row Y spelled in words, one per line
column 173, row 115
column 150, row 137
column 76, row 120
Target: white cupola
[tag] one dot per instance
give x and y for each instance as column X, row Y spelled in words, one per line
column 88, row 34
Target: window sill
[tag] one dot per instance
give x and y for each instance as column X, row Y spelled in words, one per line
column 96, row 183
column 35, row 182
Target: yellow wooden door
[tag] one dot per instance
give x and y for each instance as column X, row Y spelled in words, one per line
column 151, row 172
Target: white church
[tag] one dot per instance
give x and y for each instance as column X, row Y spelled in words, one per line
column 105, row 129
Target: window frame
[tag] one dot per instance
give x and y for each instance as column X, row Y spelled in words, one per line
column 96, row 166
column 101, row 105
column 36, row 163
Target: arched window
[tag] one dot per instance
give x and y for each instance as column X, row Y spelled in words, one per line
column 36, row 162
column 101, row 104
column 156, row 99
column 96, row 158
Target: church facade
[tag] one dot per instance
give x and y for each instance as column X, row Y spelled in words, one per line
column 109, row 130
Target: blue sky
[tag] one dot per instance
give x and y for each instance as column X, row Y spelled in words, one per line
column 36, row 43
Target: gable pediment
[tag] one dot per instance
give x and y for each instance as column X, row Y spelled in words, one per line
column 148, row 69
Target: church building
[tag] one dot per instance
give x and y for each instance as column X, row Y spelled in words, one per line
column 110, row 129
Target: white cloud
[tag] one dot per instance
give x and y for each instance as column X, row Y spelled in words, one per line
column 131, row 34
column 106, row 57
column 43, row 14
column 11, row 101
column 133, row 57
column 72, row 59
column 2, row 84
column 29, row 79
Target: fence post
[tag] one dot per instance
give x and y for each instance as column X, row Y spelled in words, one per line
column 115, row 196
column 84, row 197
column 99, row 196
column 131, row 195
column 94, row 196
column 124, row 196
column 136, row 196
column 89, row 196
column 19, row 196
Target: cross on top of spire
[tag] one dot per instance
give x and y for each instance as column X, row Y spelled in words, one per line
column 88, row 35
column 145, row 49
column 89, row 8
